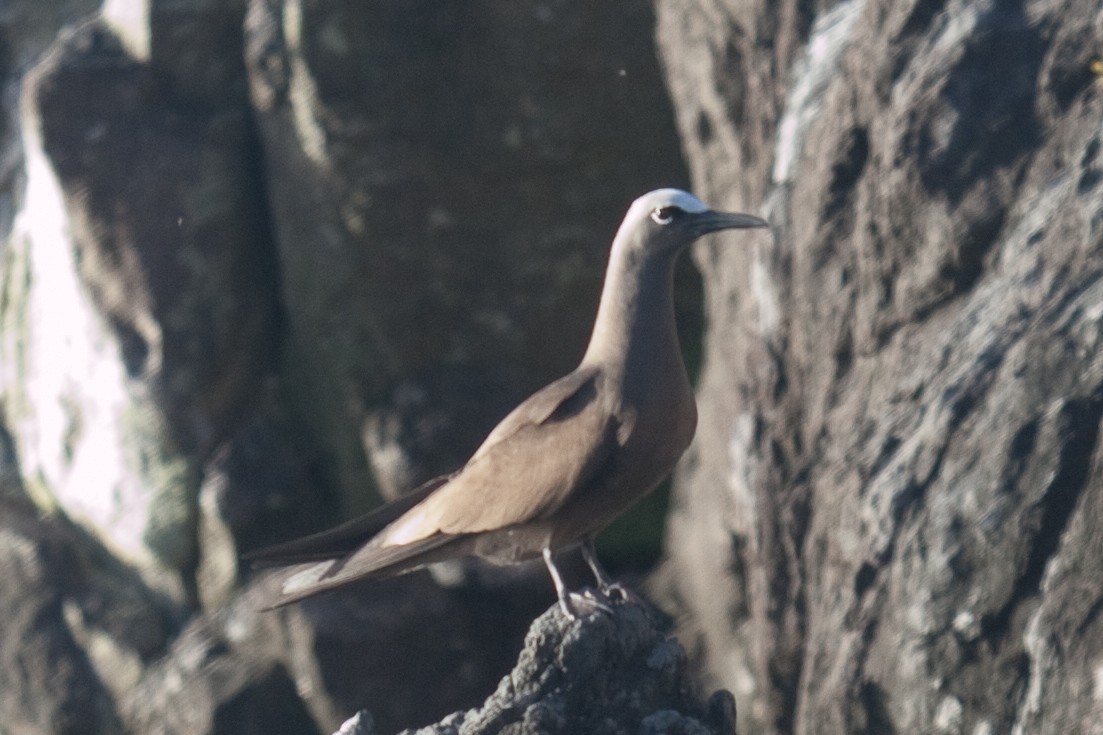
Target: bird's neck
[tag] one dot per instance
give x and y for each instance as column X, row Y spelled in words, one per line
column 634, row 329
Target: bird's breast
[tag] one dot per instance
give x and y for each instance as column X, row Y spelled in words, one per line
column 659, row 392
column 663, row 419
column 664, row 427
column 659, row 435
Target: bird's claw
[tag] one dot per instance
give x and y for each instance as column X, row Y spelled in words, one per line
column 607, row 593
column 617, row 591
column 583, row 602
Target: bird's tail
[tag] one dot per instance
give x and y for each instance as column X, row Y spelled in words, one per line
column 345, row 553
column 367, row 562
column 342, row 540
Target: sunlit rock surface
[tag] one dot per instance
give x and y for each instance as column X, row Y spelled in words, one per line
column 897, row 464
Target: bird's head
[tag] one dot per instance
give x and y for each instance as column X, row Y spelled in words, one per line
column 668, row 220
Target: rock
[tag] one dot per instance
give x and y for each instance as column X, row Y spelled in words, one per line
column 142, row 302
column 56, row 689
column 221, row 675
column 406, row 649
column 609, row 673
column 79, row 627
column 897, row 462
column 359, row 724
column 264, row 485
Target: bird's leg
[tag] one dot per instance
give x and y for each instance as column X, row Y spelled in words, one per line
column 605, row 582
column 560, row 589
column 567, row 600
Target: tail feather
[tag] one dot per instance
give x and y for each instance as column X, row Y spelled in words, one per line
column 367, row 562
column 346, row 553
column 344, row 539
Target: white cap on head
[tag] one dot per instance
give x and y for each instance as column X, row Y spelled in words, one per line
column 683, row 200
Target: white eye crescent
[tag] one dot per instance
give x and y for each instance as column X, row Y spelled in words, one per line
column 665, row 215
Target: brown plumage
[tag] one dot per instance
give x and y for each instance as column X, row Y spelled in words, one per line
column 567, row 461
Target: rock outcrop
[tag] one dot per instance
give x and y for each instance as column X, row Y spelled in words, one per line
column 898, row 462
column 141, row 310
column 606, row 673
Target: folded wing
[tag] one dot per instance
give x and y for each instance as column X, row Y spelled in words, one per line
column 552, row 445
column 549, row 447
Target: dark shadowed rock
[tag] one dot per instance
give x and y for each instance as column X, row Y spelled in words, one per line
column 47, row 683
column 222, row 674
column 78, row 627
column 407, row 649
column 607, row 673
column 898, row 464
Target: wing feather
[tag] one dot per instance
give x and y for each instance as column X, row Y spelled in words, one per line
column 345, row 538
column 538, row 407
column 550, row 446
column 547, row 448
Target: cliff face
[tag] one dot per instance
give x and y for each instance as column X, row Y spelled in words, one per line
column 898, row 462
column 265, row 260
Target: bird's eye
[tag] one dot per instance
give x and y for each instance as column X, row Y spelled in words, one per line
column 665, row 215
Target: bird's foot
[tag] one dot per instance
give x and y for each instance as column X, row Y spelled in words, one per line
column 616, row 591
column 576, row 605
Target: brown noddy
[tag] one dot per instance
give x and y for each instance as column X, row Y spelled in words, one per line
column 566, row 462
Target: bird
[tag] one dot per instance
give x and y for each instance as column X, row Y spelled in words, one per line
column 564, row 463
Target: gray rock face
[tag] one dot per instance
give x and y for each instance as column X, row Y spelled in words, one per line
column 47, row 683
column 142, row 309
column 79, row 627
column 897, row 462
column 607, row 673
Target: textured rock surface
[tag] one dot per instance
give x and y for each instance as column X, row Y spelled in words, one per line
column 898, row 461
column 78, row 626
column 607, row 673
column 140, row 310
column 48, row 657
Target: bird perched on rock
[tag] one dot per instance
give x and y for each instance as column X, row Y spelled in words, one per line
column 566, row 462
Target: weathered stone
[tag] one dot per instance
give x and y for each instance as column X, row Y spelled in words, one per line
column 406, row 649
column 613, row 673
column 265, row 484
column 897, row 458
column 47, row 683
column 79, row 628
column 140, row 296
column 219, row 676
